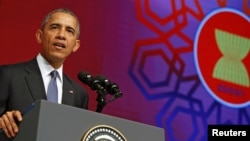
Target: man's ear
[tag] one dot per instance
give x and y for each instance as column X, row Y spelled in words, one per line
column 77, row 45
column 39, row 33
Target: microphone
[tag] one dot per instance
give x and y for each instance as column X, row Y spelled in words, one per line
column 111, row 87
column 86, row 78
column 102, row 85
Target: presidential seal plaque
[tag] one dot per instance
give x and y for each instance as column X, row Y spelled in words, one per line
column 103, row 133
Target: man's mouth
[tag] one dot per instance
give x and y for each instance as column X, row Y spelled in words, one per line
column 60, row 45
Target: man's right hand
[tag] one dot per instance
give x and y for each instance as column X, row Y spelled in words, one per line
column 8, row 122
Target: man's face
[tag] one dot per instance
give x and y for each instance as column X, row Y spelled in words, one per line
column 58, row 38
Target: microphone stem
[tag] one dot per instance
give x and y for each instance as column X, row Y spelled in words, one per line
column 101, row 99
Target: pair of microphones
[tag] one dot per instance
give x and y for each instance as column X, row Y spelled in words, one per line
column 100, row 82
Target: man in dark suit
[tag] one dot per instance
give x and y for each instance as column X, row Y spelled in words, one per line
column 24, row 83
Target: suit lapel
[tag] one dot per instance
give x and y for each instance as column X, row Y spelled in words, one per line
column 68, row 96
column 34, row 81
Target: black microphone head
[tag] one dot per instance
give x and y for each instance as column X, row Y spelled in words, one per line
column 112, row 88
column 104, row 81
column 96, row 84
column 85, row 77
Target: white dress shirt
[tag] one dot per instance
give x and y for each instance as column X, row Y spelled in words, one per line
column 45, row 69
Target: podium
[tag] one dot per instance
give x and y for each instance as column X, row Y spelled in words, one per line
column 46, row 121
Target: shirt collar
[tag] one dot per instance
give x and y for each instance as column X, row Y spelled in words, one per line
column 46, row 68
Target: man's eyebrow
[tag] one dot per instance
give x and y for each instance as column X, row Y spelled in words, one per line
column 57, row 24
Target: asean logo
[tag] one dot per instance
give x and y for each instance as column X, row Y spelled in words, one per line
column 222, row 58
column 103, row 133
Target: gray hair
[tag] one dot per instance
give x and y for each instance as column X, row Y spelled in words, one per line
column 63, row 10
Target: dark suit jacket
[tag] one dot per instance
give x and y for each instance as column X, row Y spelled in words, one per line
column 22, row 84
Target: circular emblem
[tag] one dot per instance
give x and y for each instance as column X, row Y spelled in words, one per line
column 222, row 58
column 103, row 133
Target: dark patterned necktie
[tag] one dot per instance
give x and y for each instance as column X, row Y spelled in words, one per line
column 52, row 93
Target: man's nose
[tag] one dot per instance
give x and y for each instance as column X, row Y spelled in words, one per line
column 61, row 34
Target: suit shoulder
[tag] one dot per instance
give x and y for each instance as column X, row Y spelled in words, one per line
column 18, row 69
column 14, row 65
